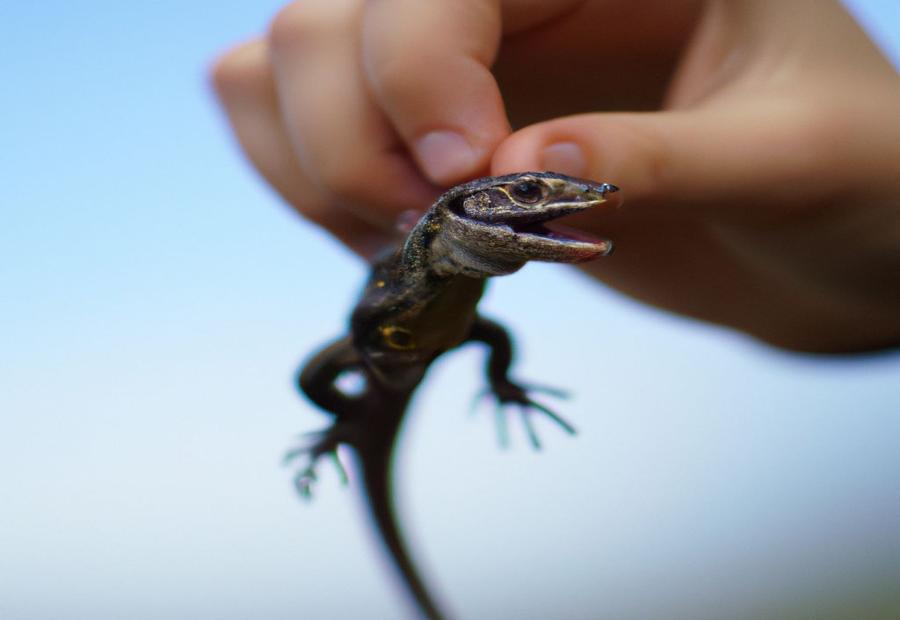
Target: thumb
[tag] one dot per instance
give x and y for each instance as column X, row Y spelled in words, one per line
column 727, row 156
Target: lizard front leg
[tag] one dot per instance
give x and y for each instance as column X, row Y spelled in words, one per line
column 504, row 389
column 318, row 379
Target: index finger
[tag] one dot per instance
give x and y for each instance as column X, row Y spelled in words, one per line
column 428, row 64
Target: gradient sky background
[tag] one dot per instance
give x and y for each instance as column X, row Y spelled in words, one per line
column 155, row 299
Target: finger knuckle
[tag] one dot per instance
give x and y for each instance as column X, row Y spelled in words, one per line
column 236, row 67
column 300, row 21
column 647, row 145
column 395, row 74
column 291, row 23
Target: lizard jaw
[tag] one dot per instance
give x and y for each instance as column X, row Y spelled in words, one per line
column 557, row 244
column 564, row 243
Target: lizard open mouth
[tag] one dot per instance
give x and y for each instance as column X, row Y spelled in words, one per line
column 556, row 231
column 550, row 235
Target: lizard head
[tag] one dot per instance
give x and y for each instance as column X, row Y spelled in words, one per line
column 493, row 226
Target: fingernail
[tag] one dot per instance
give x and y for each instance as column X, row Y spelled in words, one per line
column 446, row 156
column 564, row 157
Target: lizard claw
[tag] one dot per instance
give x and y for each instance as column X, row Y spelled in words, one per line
column 548, row 390
column 502, row 427
column 560, row 421
column 529, row 427
column 476, row 400
column 513, row 394
column 303, row 482
column 319, row 444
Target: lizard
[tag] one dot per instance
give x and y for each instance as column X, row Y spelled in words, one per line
column 419, row 302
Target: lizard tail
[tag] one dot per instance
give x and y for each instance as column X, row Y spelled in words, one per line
column 376, row 477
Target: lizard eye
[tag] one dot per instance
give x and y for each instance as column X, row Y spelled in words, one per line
column 397, row 337
column 528, row 192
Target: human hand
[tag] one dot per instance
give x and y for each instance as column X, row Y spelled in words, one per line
column 762, row 193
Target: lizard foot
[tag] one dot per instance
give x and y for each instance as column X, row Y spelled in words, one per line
column 510, row 393
column 317, row 445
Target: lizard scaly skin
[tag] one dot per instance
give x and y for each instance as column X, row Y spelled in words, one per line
column 419, row 302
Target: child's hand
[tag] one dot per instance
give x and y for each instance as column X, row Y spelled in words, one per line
column 762, row 193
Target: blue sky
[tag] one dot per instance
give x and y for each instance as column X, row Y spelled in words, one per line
column 156, row 298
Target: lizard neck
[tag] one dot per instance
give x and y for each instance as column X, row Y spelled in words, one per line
column 445, row 245
column 417, row 256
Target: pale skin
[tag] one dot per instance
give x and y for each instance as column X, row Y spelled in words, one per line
column 757, row 142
